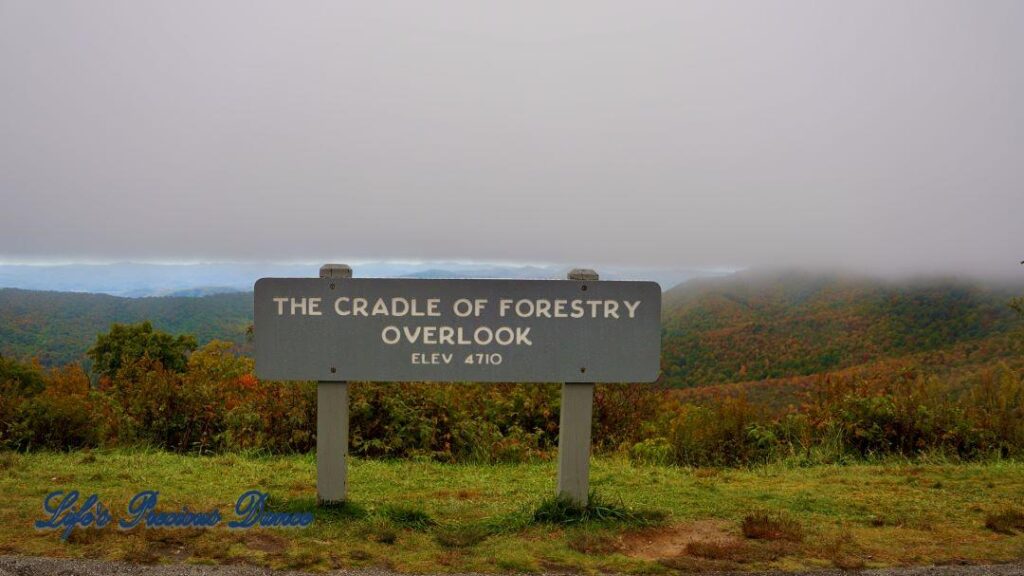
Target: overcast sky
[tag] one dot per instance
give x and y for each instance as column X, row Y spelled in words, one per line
column 876, row 135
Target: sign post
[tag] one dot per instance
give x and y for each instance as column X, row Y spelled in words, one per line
column 335, row 329
column 332, row 423
column 574, row 427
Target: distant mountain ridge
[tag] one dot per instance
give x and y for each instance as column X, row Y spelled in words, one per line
column 745, row 327
column 197, row 292
column 140, row 280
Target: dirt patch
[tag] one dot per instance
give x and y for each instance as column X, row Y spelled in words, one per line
column 173, row 545
column 672, row 541
column 265, row 542
column 590, row 543
column 449, row 557
column 175, row 552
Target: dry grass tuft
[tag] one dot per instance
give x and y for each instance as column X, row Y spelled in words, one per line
column 840, row 548
column 139, row 551
column 1007, row 521
column 848, row 562
column 705, row 472
column 772, row 526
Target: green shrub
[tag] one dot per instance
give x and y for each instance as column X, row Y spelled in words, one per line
column 995, row 404
column 454, row 422
column 652, row 451
column 906, row 414
column 622, row 413
column 728, row 432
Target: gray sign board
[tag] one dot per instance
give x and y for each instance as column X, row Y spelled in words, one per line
column 457, row 330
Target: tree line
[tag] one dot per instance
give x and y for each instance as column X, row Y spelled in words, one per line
column 154, row 389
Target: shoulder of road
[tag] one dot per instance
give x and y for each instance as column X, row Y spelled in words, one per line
column 37, row 566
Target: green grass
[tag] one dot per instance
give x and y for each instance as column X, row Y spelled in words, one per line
column 424, row 516
column 597, row 510
column 407, row 517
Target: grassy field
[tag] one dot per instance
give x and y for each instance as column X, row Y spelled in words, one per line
column 423, row 516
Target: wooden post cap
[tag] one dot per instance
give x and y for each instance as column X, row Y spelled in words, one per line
column 335, row 271
column 582, row 274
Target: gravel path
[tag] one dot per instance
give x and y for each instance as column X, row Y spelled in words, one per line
column 32, row 566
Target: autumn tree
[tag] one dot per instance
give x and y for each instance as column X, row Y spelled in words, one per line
column 1018, row 303
column 23, row 377
column 128, row 343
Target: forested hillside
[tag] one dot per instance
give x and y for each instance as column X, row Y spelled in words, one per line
column 58, row 327
column 765, row 367
column 746, row 327
column 760, row 325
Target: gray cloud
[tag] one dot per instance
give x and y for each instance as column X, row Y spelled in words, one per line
column 877, row 134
